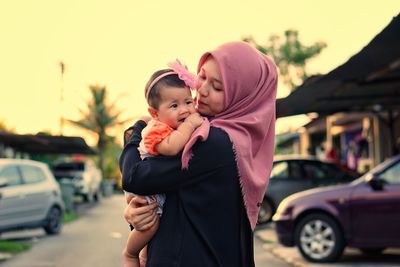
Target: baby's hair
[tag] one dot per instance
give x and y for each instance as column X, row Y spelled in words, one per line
column 154, row 97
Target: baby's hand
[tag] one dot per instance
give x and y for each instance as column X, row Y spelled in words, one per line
column 146, row 119
column 194, row 119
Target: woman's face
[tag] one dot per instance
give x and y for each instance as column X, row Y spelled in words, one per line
column 210, row 90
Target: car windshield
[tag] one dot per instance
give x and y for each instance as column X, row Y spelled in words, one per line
column 69, row 166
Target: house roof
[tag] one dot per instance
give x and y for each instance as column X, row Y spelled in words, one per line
column 43, row 143
column 368, row 81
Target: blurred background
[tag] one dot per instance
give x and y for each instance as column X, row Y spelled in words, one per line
column 72, row 75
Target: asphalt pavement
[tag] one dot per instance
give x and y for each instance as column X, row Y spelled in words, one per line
column 97, row 238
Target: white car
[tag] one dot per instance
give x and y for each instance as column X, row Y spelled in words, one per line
column 84, row 175
column 29, row 196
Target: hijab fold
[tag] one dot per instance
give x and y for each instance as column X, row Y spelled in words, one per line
column 250, row 81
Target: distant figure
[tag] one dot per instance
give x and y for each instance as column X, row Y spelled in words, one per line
column 331, row 154
column 352, row 155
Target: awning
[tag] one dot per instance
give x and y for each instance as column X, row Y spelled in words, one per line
column 43, row 143
column 368, row 81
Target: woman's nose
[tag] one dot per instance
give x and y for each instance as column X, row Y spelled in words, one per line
column 202, row 90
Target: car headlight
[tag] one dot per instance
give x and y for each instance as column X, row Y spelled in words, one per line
column 284, row 212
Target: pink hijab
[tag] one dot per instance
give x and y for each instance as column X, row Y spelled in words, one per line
column 250, row 81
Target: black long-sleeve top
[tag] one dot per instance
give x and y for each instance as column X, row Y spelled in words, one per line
column 204, row 222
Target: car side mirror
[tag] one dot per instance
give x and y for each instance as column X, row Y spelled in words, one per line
column 375, row 182
column 3, row 182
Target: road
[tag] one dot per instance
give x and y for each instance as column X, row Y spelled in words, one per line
column 98, row 237
column 95, row 239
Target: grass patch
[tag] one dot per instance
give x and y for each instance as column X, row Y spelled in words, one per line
column 13, row 247
column 70, row 216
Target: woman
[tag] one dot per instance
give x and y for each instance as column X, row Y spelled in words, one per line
column 212, row 204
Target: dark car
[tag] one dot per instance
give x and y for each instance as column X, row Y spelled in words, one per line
column 292, row 174
column 364, row 214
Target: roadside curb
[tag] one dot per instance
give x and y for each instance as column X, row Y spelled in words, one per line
column 270, row 244
column 5, row 256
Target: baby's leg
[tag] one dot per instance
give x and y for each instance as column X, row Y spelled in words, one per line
column 137, row 240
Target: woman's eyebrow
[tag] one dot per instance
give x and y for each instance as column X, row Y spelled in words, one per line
column 212, row 78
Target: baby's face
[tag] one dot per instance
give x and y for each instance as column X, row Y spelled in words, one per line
column 176, row 105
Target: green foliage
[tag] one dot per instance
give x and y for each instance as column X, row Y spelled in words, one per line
column 99, row 117
column 13, row 247
column 290, row 55
column 70, row 216
column 112, row 152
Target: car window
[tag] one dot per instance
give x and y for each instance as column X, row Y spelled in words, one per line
column 32, row 174
column 11, row 174
column 69, row 166
column 333, row 171
column 392, row 174
column 295, row 170
column 280, row 170
column 312, row 170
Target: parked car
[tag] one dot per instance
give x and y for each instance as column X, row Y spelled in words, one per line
column 364, row 214
column 292, row 174
column 29, row 196
column 84, row 175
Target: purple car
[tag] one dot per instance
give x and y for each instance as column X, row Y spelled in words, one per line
column 364, row 214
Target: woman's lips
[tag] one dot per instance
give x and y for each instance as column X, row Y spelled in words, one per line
column 199, row 103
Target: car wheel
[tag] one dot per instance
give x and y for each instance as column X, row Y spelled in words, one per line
column 87, row 198
column 96, row 196
column 372, row 251
column 266, row 211
column 53, row 221
column 319, row 238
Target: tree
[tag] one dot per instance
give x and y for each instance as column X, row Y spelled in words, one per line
column 4, row 127
column 98, row 119
column 290, row 55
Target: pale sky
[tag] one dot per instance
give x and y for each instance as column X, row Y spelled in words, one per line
column 120, row 43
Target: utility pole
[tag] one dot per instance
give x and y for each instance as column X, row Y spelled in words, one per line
column 62, row 68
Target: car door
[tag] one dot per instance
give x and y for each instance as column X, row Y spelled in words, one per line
column 36, row 191
column 12, row 203
column 286, row 179
column 375, row 214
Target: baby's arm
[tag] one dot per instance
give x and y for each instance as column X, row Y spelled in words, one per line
column 176, row 141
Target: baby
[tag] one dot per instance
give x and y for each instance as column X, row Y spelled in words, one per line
column 174, row 119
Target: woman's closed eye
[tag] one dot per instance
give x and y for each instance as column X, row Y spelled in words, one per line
column 217, row 88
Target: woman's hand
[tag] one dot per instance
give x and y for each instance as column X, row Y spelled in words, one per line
column 140, row 214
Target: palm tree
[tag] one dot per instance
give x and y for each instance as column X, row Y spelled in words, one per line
column 99, row 117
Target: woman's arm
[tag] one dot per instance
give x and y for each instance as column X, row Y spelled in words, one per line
column 162, row 174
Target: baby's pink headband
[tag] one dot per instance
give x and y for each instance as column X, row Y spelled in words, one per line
column 177, row 69
column 156, row 81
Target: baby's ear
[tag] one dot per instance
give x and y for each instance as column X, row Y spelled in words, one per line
column 152, row 112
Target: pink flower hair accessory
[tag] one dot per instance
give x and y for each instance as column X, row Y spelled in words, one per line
column 183, row 73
